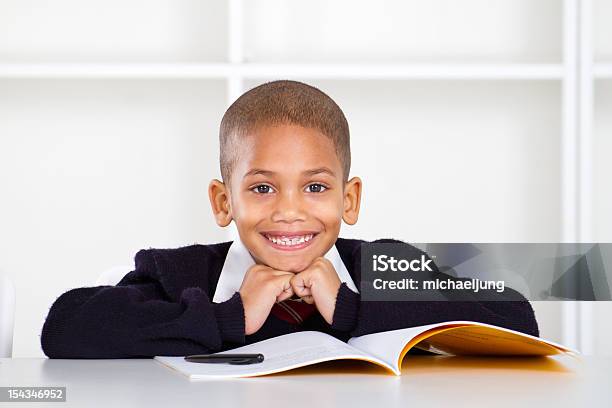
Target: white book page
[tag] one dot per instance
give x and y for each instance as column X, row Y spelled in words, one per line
column 388, row 345
column 280, row 354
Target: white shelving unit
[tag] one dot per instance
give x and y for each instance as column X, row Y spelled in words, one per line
column 548, row 43
column 598, row 111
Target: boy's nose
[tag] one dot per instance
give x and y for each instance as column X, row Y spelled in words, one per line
column 289, row 208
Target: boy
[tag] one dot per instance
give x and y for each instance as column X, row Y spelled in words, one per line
column 285, row 161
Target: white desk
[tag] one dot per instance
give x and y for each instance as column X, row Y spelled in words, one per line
column 426, row 381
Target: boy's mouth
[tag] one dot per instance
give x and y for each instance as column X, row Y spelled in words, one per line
column 289, row 241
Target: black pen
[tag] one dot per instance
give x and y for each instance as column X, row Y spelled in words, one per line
column 226, row 358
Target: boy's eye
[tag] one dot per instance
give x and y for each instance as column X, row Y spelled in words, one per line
column 316, row 188
column 262, row 189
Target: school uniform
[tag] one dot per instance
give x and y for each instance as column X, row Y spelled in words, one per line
column 185, row 300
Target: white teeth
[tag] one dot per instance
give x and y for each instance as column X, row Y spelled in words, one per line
column 286, row 241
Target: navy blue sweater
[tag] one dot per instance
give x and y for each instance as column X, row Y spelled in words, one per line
column 164, row 307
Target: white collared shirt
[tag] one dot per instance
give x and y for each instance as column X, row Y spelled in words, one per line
column 239, row 260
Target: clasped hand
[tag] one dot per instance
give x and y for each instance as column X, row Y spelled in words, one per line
column 262, row 286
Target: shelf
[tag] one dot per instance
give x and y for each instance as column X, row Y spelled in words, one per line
column 102, row 71
column 318, row 71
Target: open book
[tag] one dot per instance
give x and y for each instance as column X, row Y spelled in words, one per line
column 387, row 349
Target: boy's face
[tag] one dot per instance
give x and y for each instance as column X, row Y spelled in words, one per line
column 287, row 196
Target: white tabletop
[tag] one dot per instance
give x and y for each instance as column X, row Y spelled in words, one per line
column 426, row 381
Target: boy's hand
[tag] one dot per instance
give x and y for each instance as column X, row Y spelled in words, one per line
column 261, row 287
column 318, row 284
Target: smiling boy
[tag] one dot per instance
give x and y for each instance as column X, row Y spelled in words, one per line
column 285, row 187
column 285, row 163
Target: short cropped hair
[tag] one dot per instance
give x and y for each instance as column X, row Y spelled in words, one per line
column 280, row 103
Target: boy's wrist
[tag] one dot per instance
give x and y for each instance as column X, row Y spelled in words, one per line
column 230, row 319
column 346, row 310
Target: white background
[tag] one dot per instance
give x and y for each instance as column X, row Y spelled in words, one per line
column 471, row 121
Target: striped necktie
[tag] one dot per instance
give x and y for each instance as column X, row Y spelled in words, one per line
column 294, row 311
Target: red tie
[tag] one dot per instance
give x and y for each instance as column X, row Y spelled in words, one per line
column 294, row 311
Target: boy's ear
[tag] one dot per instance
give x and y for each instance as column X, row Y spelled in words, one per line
column 352, row 200
column 220, row 202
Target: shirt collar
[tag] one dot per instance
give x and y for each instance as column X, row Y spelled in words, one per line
column 239, row 260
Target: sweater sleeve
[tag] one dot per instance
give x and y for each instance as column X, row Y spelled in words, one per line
column 511, row 310
column 136, row 318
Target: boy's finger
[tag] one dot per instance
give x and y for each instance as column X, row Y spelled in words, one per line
column 299, row 286
column 308, row 299
column 286, row 290
column 303, row 292
column 284, row 296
